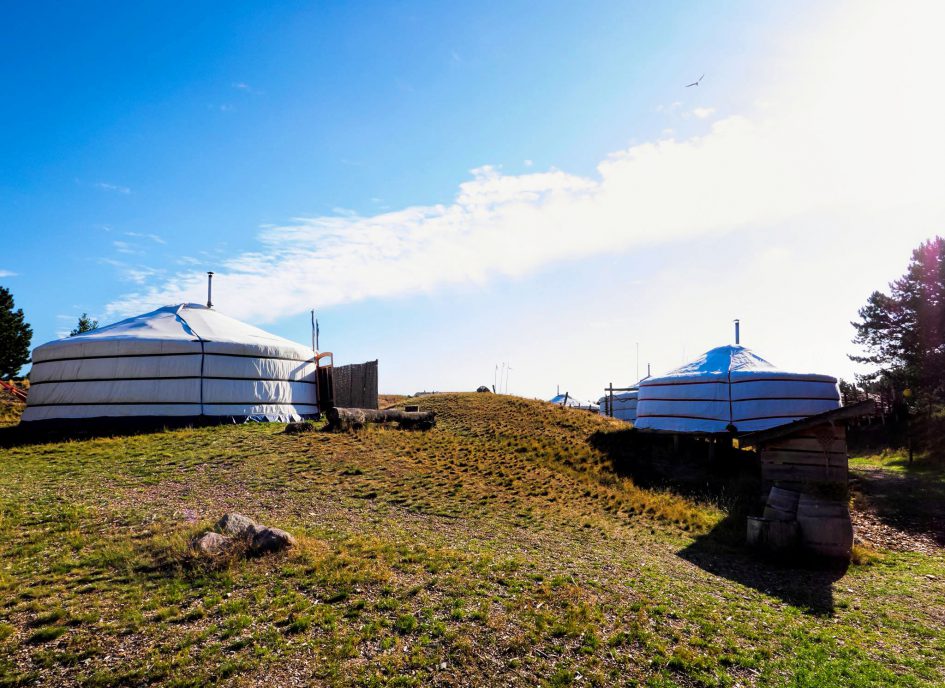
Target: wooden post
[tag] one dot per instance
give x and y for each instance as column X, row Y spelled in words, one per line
column 610, row 400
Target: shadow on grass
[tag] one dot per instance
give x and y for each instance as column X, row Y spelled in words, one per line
column 730, row 479
column 794, row 580
column 46, row 432
column 908, row 497
column 691, row 467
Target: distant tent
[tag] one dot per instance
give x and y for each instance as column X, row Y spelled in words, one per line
column 177, row 363
column 624, row 405
column 731, row 389
column 571, row 402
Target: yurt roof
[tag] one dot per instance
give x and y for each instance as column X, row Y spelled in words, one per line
column 724, row 361
column 172, row 329
column 621, row 396
column 568, row 400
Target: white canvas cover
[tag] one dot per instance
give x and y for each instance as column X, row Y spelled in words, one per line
column 624, row 405
column 177, row 361
column 571, row 402
column 731, row 389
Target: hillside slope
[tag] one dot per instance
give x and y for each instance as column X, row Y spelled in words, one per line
column 497, row 549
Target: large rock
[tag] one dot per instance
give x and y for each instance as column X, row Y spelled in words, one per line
column 212, row 544
column 237, row 525
column 269, row 539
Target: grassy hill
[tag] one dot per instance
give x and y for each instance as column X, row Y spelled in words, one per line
column 504, row 547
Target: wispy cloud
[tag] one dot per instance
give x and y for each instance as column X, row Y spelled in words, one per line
column 246, row 88
column 138, row 274
column 157, row 239
column 105, row 186
column 800, row 159
column 703, row 112
column 125, row 247
column 7, row 273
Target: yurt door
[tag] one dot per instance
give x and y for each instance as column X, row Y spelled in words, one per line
column 324, row 382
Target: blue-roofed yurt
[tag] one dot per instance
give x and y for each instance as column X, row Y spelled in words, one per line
column 568, row 401
column 731, row 389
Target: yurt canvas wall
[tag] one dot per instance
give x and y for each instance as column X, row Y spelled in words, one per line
column 730, row 389
column 623, row 405
column 177, row 362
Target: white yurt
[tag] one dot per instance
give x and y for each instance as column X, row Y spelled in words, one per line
column 731, row 389
column 572, row 402
column 624, row 405
column 178, row 363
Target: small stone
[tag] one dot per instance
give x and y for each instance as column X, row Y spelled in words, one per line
column 237, row 525
column 212, row 544
column 267, row 539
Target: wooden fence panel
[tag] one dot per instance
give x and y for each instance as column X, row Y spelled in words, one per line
column 355, row 385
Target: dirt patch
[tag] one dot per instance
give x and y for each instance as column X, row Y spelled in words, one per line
column 898, row 511
column 869, row 528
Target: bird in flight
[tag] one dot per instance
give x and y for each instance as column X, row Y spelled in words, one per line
column 696, row 82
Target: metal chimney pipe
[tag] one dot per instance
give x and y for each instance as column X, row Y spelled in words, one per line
column 737, row 337
column 209, row 290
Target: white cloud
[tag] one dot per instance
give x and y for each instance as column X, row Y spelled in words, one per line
column 105, row 186
column 702, row 112
column 7, row 273
column 852, row 130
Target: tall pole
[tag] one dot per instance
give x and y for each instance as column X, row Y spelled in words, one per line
column 314, row 343
column 737, row 333
column 209, row 290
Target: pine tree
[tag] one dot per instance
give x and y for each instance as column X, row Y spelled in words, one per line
column 15, row 337
column 902, row 333
column 86, row 324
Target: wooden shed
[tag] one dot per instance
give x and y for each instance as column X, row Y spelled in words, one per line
column 811, row 451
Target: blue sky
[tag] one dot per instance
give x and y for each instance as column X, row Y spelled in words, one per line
column 457, row 185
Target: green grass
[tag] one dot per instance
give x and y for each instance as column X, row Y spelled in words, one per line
column 498, row 548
